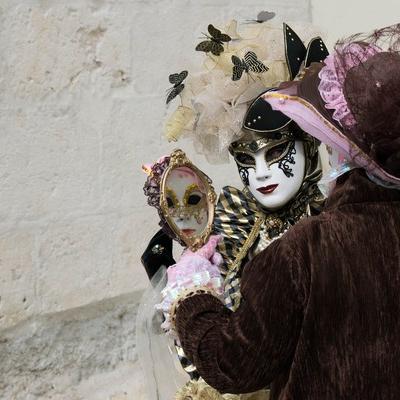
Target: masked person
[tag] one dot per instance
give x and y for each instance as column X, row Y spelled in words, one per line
column 220, row 109
column 319, row 313
column 277, row 161
column 279, row 167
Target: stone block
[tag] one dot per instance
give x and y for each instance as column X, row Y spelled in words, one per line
column 133, row 233
column 49, row 165
column 75, row 262
column 88, row 353
column 17, row 278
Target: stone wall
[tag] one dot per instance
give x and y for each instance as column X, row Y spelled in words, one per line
column 82, row 88
column 84, row 353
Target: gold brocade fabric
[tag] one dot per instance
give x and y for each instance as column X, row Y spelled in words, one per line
column 200, row 390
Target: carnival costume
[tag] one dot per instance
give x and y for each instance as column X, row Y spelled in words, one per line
column 237, row 119
column 319, row 314
column 221, row 114
column 245, row 225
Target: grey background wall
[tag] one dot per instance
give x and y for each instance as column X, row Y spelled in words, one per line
column 82, row 88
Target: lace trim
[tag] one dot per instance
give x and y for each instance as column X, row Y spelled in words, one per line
column 333, row 75
column 331, row 91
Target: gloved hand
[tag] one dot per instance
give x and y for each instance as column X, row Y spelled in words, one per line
column 194, row 270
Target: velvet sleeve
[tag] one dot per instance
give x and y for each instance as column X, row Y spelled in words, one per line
column 244, row 351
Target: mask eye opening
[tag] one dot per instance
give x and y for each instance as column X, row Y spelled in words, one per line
column 277, row 152
column 193, row 199
column 245, row 159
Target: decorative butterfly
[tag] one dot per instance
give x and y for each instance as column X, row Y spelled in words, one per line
column 177, row 81
column 250, row 63
column 263, row 16
column 214, row 42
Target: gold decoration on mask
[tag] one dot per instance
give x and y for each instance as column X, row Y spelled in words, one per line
column 185, row 210
column 173, row 197
column 189, row 190
column 259, row 143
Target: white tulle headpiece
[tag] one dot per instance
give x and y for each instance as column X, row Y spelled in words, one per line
column 213, row 105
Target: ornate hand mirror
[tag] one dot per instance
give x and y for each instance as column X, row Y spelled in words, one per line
column 187, row 200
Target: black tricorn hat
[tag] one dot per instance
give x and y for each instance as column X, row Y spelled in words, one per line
column 260, row 117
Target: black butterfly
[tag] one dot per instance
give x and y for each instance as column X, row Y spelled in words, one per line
column 250, row 63
column 263, row 16
column 214, row 42
column 176, row 80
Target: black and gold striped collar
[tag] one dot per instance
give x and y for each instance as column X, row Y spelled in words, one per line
column 239, row 219
column 236, row 216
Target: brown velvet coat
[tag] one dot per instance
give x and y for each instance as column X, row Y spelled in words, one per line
column 320, row 314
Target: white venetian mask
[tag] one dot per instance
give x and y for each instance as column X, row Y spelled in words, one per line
column 273, row 171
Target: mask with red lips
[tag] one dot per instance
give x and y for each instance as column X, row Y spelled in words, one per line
column 271, row 168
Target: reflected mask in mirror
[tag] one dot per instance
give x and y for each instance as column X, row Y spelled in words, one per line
column 193, row 203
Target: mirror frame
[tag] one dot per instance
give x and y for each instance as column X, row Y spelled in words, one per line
column 179, row 159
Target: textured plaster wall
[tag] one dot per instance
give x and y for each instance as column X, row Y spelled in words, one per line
column 68, row 215
column 341, row 18
column 86, row 353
